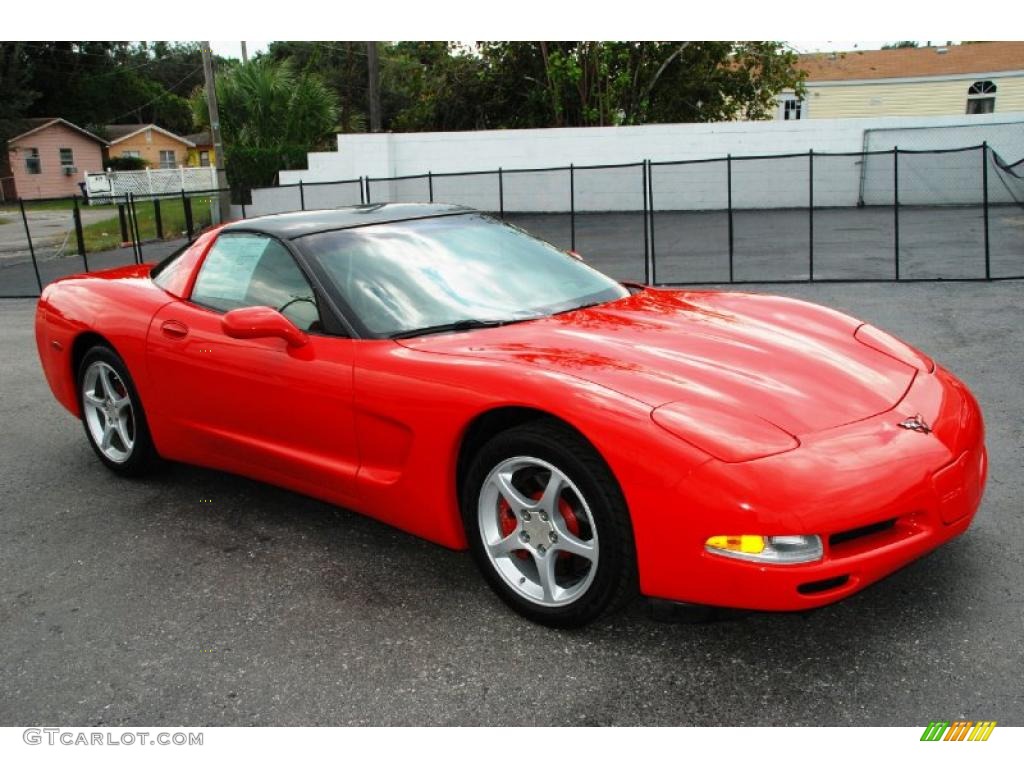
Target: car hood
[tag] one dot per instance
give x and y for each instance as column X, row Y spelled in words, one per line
column 793, row 364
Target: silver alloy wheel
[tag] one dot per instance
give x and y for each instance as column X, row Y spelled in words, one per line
column 541, row 531
column 108, row 412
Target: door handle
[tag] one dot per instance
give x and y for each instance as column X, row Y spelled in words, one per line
column 174, row 329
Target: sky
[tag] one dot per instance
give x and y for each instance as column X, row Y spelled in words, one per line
column 232, row 48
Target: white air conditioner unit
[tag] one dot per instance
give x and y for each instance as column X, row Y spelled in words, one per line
column 70, row 170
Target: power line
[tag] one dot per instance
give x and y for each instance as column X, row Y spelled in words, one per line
column 156, row 99
column 109, row 57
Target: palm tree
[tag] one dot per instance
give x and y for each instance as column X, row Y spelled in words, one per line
column 270, row 117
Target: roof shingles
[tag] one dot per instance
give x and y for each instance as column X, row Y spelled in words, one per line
column 971, row 58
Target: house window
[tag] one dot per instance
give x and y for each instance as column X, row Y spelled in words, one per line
column 131, row 153
column 792, row 109
column 32, row 164
column 981, row 98
column 167, row 158
column 204, row 159
column 67, row 158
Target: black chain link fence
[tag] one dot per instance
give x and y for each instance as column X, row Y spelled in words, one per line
column 944, row 214
column 43, row 240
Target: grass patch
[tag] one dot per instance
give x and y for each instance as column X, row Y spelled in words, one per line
column 5, row 220
column 103, row 235
column 44, row 205
column 106, row 234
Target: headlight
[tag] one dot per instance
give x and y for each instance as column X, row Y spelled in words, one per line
column 781, row 550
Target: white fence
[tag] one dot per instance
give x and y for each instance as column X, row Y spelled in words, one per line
column 840, row 180
column 150, row 182
column 966, row 176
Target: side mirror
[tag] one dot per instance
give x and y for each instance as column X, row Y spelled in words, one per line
column 575, row 255
column 261, row 323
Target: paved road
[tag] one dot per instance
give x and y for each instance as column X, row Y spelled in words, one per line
column 694, row 247
column 53, row 231
column 198, row 597
column 19, row 279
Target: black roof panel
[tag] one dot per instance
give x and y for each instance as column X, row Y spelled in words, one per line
column 291, row 225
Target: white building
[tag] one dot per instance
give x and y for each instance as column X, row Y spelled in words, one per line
column 976, row 78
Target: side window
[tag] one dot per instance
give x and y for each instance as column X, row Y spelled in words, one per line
column 981, row 98
column 246, row 270
column 32, row 164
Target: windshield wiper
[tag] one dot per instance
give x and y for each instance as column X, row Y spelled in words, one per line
column 459, row 325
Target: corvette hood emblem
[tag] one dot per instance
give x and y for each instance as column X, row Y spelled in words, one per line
column 917, row 424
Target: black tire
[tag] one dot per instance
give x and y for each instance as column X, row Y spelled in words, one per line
column 143, row 455
column 615, row 582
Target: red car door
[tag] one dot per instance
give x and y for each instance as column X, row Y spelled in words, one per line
column 254, row 406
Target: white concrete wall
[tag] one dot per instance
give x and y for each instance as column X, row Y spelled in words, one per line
column 756, row 183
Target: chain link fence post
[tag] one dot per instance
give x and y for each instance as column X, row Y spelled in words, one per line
column 728, row 186
column 124, row 221
column 984, row 207
column 810, row 214
column 501, row 194
column 650, row 199
column 896, row 207
column 133, row 221
column 186, row 207
column 572, row 206
column 158, row 219
column 80, row 235
column 31, row 248
column 647, row 216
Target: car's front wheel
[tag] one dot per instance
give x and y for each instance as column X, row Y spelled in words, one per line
column 548, row 525
column 112, row 412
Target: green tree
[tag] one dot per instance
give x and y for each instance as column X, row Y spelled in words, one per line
column 900, row 44
column 95, row 83
column 342, row 67
column 432, row 86
column 270, row 117
column 16, row 94
column 541, row 84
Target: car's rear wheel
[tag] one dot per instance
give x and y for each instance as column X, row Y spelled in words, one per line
column 548, row 525
column 112, row 412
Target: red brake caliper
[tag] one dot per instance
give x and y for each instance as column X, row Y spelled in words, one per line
column 507, row 519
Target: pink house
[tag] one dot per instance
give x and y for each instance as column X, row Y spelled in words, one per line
column 49, row 159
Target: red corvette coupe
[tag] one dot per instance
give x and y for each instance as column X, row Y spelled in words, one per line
column 455, row 377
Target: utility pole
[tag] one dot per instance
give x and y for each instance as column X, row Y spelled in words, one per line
column 218, row 147
column 245, row 54
column 374, row 85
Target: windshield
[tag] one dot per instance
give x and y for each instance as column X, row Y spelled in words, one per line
column 453, row 271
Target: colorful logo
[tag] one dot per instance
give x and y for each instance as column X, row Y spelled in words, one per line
column 960, row 730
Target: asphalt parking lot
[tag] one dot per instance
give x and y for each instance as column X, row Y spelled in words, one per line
column 195, row 597
column 775, row 244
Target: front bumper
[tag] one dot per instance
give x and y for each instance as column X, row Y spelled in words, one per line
column 880, row 496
